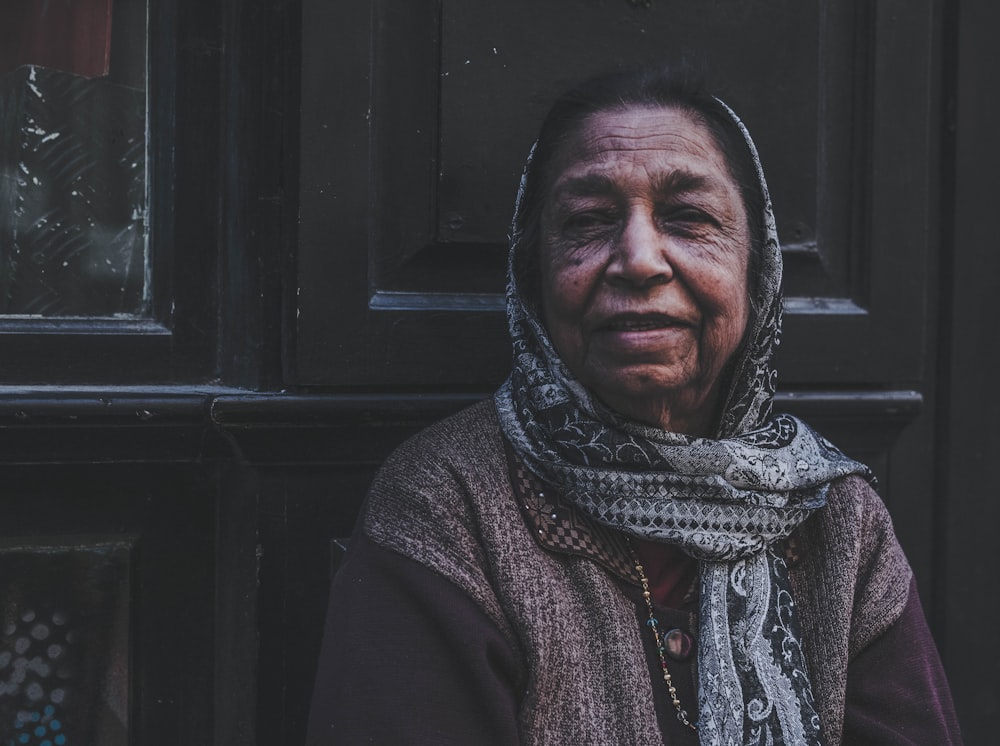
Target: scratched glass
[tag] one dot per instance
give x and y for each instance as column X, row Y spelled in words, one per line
column 73, row 193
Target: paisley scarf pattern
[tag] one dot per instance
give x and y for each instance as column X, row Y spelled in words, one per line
column 726, row 501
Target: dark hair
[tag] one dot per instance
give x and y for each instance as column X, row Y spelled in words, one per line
column 678, row 87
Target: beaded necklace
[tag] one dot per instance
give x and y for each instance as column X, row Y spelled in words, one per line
column 654, row 624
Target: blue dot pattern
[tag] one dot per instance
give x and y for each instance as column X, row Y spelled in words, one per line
column 40, row 725
column 32, row 682
column 64, row 631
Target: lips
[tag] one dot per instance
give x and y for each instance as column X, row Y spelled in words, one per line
column 640, row 337
column 640, row 322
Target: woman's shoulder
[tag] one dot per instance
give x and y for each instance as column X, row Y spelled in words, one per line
column 853, row 548
column 460, row 437
column 854, row 509
column 426, row 499
column 424, row 504
column 449, row 450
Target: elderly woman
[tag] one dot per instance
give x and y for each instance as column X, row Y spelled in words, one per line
column 625, row 546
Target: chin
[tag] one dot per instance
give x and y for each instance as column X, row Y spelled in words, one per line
column 657, row 397
column 644, row 382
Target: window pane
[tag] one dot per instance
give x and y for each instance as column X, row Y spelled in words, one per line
column 73, row 159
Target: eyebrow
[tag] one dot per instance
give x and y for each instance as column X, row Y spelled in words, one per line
column 679, row 181
column 589, row 185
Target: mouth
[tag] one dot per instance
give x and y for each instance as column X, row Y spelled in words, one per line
column 641, row 322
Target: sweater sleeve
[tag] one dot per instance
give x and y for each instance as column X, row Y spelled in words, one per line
column 409, row 658
column 891, row 688
column 896, row 687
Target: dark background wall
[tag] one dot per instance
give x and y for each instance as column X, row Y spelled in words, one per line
column 330, row 185
column 968, row 446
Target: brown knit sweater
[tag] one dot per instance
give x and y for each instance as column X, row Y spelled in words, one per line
column 445, row 500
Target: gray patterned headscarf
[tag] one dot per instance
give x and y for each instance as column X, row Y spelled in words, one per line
column 725, row 501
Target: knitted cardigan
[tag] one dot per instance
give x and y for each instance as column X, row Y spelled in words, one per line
column 445, row 500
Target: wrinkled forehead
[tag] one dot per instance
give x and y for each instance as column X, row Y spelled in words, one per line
column 658, row 140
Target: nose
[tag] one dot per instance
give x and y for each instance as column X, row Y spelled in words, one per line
column 640, row 254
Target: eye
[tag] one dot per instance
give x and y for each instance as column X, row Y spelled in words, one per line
column 589, row 221
column 687, row 215
column 686, row 220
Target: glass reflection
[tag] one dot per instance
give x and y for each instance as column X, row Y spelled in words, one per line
column 73, row 159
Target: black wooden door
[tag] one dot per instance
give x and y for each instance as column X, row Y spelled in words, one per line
column 415, row 121
column 329, row 188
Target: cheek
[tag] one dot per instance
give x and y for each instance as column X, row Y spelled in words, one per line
column 563, row 310
column 737, row 329
column 563, row 287
column 730, row 312
column 562, row 314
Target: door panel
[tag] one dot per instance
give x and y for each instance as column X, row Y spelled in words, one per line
column 409, row 172
column 415, row 121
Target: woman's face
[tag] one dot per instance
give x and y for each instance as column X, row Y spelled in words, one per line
column 644, row 252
